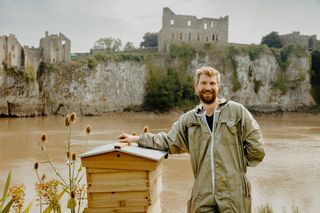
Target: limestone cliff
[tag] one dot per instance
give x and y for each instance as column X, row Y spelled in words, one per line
column 114, row 86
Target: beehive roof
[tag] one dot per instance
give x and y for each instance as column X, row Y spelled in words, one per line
column 132, row 149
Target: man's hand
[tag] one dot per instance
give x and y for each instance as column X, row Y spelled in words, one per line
column 126, row 138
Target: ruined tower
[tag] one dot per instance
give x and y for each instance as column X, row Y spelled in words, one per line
column 11, row 52
column 189, row 29
column 55, row 48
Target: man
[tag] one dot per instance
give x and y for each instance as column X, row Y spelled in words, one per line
column 222, row 138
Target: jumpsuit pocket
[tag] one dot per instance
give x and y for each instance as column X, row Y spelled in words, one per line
column 232, row 125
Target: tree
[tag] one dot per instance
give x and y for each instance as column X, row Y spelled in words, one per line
column 272, row 40
column 108, row 43
column 149, row 40
column 129, row 46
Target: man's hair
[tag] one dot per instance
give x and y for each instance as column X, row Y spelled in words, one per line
column 209, row 71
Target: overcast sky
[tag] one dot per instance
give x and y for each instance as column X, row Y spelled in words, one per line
column 85, row 21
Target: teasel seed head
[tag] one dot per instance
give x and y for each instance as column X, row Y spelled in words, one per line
column 73, row 117
column 73, row 194
column 43, row 177
column 74, row 156
column 67, row 121
column 88, row 129
column 36, row 166
column 145, row 129
column 68, row 155
column 43, row 137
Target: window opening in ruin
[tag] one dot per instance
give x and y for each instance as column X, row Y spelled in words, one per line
column 63, row 42
column 205, row 26
column 198, row 37
column 53, row 60
column 212, row 24
column 216, row 37
column 206, row 38
column 172, row 22
column 172, row 36
column 189, row 36
column 22, row 57
column 189, row 23
column 180, row 36
column 212, row 37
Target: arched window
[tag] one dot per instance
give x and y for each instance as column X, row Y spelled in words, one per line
column 189, row 36
column 216, row 37
column 212, row 37
column 205, row 26
column 180, row 36
column 189, row 23
column 207, row 39
column 198, row 37
column 172, row 22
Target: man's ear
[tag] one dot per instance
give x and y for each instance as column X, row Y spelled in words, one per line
column 195, row 88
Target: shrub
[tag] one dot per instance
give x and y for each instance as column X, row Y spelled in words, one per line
column 282, row 83
column 92, row 63
column 272, row 40
column 29, row 73
column 167, row 91
column 254, row 52
column 315, row 76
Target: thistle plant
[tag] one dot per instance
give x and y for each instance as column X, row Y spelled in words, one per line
column 71, row 184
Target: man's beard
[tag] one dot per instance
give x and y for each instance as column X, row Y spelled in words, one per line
column 208, row 99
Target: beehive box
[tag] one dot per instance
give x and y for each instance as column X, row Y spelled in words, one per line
column 123, row 179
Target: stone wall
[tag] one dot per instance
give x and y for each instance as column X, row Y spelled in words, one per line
column 32, row 57
column 185, row 28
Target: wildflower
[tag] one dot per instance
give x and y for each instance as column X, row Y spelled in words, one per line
column 36, row 165
column 49, row 192
column 73, row 117
column 146, row 129
column 67, row 121
column 88, row 129
column 18, row 196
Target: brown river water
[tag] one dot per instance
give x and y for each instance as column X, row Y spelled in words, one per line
column 288, row 177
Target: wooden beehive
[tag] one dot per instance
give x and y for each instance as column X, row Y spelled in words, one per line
column 123, row 179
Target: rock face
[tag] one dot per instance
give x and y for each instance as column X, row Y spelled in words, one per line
column 115, row 86
column 109, row 87
column 258, row 81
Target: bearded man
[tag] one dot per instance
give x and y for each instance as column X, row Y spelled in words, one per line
column 222, row 139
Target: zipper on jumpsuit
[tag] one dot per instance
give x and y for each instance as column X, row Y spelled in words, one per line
column 212, row 146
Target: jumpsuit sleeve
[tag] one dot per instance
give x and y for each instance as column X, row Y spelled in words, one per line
column 174, row 142
column 253, row 140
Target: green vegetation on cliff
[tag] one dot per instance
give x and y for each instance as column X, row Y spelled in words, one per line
column 315, row 76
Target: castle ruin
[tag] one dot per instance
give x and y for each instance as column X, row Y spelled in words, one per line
column 52, row 49
column 185, row 28
column 295, row 38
